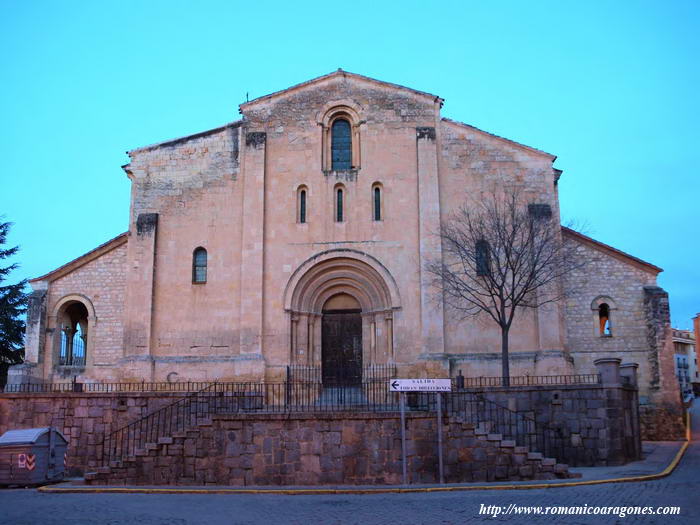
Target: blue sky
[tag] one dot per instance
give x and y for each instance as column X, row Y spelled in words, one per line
column 611, row 88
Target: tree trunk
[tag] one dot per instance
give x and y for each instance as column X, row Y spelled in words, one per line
column 4, row 367
column 505, row 365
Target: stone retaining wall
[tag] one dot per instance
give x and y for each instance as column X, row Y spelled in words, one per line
column 598, row 425
column 82, row 417
column 326, row 449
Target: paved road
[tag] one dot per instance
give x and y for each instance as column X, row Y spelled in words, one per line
column 681, row 489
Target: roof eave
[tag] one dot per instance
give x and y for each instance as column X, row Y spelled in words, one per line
column 186, row 138
column 338, row 72
column 619, row 254
column 504, row 139
column 83, row 259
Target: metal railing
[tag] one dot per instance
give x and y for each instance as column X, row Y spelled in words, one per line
column 314, row 374
column 178, row 416
column 237, row 398
column 520, row 427
column 371, row 374
column 232, row 398
column 497, row 381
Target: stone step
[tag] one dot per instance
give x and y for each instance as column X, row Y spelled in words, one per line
column 89, row 476
column 152, row 446
column 115, row 464
column 104, row 470
column 549, row 461
column 494, row 437
column 140, row 452
column 535, row 455
column 561, row 467
column 508, row 443
column 165, row 441
column 521, row 450
column 180, row 434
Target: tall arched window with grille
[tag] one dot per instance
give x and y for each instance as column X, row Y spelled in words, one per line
column 199, row 266
column 341, row 145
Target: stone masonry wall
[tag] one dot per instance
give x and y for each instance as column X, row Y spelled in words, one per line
column 103, row 282
column 326, row 449
column 605, row 275
column 83, row 418
column 596, row 425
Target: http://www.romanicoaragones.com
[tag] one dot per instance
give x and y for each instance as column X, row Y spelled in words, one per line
column 576, row 510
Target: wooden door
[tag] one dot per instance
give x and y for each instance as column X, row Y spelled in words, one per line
column 341, row 347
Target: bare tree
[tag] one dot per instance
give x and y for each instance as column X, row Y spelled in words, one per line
column 501, row 255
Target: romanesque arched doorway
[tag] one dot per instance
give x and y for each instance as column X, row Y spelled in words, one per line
column 341, row 306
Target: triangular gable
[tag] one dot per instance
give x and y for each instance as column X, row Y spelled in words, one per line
column 341, row 74
column 609, row 250
column 511, row 142
column 84, row 259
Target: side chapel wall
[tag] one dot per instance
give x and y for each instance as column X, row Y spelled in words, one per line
column 474, row 165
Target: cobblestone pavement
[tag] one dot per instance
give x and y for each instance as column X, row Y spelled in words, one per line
column 681, row 489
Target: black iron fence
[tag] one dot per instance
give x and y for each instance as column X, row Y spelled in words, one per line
column 105, row 388
column 496, row 381
column 309, row 377
column 314, row 374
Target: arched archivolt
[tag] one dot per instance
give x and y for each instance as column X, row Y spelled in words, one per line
column 358, row 274
column 80, row 298
column 63, row 316
column 346, row 110
column 595, row 304
column 334, row 273
column 334, row 108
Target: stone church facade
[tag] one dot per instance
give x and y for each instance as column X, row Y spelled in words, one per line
column 298, row 235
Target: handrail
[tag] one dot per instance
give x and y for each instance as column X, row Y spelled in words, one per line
column 174, row 417
column 522, row 428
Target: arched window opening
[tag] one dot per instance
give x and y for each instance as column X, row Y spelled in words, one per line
column 199, row 266
column 73, row 335
column 483, row 258
column 302, row 206
column 341, row 145
column 604, row 320
column 339, row 205
column 377, row 203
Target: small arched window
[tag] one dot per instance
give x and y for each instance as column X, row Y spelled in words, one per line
column 604, row 320
column 302, row 199
column 341, row 145
column 199, row 266
column 339, row 204
column 377, row 202
column 483, row 258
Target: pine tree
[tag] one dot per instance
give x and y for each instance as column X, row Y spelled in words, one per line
column 13, row 304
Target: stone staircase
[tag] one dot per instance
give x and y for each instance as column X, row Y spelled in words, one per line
column 196, row 457
column 524, row 464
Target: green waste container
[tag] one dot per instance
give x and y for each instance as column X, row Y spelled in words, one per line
column 32, row 456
